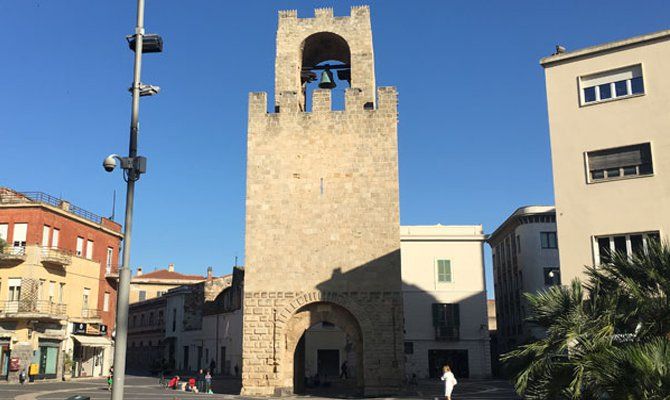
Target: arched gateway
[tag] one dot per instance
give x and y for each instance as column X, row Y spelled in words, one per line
column 322, row 278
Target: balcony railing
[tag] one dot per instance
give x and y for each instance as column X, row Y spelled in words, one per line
column 90, row 313
column 55, row 256
column 12, row 255
column 43, row 307
column 448, row 333
column 11, row 197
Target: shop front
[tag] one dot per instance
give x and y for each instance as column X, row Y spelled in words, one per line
column 5, row 359
column 46, row 358
column 92, row 350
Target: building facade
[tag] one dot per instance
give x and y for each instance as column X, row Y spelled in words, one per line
column 444, row 294
column 57, row 286
column 322, row 214
column 525, row 260
column 145, row 286
column 608, row 108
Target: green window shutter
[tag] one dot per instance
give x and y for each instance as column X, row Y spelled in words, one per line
column 443, row 270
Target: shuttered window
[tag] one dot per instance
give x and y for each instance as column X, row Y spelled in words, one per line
column 620, row 162
column 623, row 82
column 443, row 271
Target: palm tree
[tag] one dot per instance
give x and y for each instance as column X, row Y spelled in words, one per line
column 606, row 338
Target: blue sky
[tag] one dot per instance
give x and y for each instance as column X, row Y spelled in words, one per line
column 473, row 133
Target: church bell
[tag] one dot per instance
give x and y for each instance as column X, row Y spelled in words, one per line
column 326, row 81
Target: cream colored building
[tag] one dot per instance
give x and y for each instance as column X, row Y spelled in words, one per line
column 525, row 260
column 145, row 286
column 609, row 120
column 444, row 293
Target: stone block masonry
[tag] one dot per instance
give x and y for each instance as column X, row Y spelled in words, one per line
column 322, row 222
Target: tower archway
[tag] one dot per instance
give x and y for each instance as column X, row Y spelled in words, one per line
column 319, row 337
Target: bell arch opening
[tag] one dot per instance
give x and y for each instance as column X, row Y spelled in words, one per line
column 325, row 63
column 323, row 351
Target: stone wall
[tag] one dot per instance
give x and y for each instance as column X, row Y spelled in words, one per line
column 322, row 225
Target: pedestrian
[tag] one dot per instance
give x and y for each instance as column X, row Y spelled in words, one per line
column 449, row 381
column 212, row 366
column 208, row 382
column 174, row 383
column 192, row 387
column 200, row 383
column 22, row 376
column 344, row 370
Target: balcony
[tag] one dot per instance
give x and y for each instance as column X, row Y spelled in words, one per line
column 447, row 333
column 90, row 313
column 12, row 255
column 37, row 309
column 112, row 272
column 52, row 256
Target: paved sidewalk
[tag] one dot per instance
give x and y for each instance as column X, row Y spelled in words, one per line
column 147, row 388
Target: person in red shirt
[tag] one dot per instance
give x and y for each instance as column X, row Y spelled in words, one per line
column 174, row 382
column 191, row 385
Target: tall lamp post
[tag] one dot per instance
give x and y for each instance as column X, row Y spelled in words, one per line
column 133, row 167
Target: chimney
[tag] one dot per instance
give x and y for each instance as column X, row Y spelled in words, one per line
column 171, row 267
column 139, row 271
column 209, row 273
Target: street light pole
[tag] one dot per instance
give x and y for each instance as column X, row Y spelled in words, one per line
column 132, row 175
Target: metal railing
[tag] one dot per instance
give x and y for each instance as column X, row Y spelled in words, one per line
column 33, row 307
column 90, row 313
column 13, row 251
column 54, row 255
column 10, row 197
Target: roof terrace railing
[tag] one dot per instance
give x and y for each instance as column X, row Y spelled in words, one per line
column 10, row 197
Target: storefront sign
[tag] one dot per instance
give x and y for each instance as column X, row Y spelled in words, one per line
column 93, row 329
column 14, row 364
column 79, row 327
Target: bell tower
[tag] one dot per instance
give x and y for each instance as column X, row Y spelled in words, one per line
column 322, row 212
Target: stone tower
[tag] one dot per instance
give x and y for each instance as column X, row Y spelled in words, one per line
column 322, row 224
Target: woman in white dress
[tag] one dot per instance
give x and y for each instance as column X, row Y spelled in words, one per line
column 449, row 381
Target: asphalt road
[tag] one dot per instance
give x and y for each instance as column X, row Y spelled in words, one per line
column 145, row 388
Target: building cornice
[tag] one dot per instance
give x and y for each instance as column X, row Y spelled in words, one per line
column 604, row 48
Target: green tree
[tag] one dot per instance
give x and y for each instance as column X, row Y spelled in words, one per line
column 608, row 338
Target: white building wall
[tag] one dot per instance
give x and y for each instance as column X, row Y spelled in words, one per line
column 421, row 247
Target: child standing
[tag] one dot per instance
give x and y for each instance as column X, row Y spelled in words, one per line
column 449, row 381
column 208, row 382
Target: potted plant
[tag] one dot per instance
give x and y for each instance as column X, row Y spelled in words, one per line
column 67, row 366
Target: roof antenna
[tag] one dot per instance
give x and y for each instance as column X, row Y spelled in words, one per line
column 235, row 261
column 113, row 206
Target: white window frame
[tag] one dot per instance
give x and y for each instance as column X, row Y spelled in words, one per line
column 596, row 76
column 110, row 257
column 21, row 240
column 80, row 246
column 89, row 249
column 436, row 270
column 12, row 293
column 105, row 302
column 629, row 246
column 46, row 230
column 55, row 237
column 3, row 232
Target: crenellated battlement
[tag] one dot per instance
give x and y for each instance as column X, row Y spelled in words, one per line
column 325, row 12
column 354, row 101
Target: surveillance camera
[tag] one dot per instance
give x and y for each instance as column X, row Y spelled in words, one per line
column 110, row 163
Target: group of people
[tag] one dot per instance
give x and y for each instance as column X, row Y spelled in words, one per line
column 203, row 383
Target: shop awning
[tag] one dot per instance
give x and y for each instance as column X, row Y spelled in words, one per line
column 92, row 341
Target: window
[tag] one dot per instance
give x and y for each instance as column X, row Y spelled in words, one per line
column 3, row 231
column 142, row 320
column 20, row 234
column 143, row 295
column 518, row 244
column 552, row 276
column 160, row 317
column 159, row 293
column 409, row 347
column 105, row 302
column 80, row 246
column 52, row 291
column 628, row 244
column 110, row 256
column 40, row 289
column 55, row 238
column 446, row 321
column 548, row 240
column 14, row 289
column 45, row 235
column 174, row 319
column 61, row 290
column 443, row 271
column 619, row 162
column 615, row 84
column 89, row 249
column 134, row 321
column 85, row 297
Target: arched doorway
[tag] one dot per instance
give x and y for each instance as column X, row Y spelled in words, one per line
column 320, row 337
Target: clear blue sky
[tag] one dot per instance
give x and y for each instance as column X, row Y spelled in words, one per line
column 473, row 132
